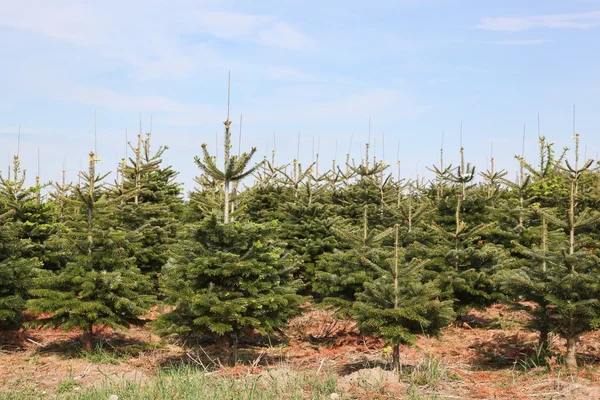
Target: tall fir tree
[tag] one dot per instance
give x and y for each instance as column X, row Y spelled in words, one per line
column 19, row 263
column 460, row 250
column 32, row 217
column 365, row 186
column 17, row 272
column 230, row 279
column 530, row 237
column 231, row 276
column 342, row 273
column 308, row 230
column 100, row 283
column 467, row 263
column 151, row 205
column 401, row 302
column 565, row 277
column 235, row 169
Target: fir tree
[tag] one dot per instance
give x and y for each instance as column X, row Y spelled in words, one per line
column 467, row 263
column 230, row 277
column 17, row 270
column 301, row 202
column 305, row 221
column 32, row 218
column 398, row 304
column 18, row 262
column 100, row 284
column 565, row 278
column 530, row 238
column 153, row 208
column 308, row 230
column 460, row 250
column 341, row 274
column 368, row 189
column 235, row 168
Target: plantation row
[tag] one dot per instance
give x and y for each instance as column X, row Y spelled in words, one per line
column 402, row 257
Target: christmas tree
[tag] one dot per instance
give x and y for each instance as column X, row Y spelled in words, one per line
column 100, row 283
column 230, row 276
column 399, row 304
column 529, row 238
column 151, row 206
column 303, row 207
column 31, row 217
column 17, row 271
column 565, row 276
column 230, row 279
column 341, row 274
column 18, row 262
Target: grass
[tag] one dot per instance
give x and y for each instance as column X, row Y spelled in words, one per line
column 430, row 372
column 536, row 360
column 187, row 383
column 105, row 353
column 66, row 386
column 414, row 393
column 101, row 356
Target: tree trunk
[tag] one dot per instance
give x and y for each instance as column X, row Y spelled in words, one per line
column 396, row 357
column 87, row 339
column 457, row 231
column 410, row 210
column 544, row 330
column 572, row 219
column 571, row 357
column 365, row 231
column 234, row 348
column 226, row 210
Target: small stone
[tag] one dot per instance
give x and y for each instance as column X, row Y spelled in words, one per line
column 334, row 396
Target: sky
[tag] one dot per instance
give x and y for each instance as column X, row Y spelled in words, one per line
column 313, row 71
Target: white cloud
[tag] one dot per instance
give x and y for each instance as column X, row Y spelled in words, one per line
column 14, row 130
column 168, row 111
column 67, row 22
column 224, row 25
column 517, row 42
column 156, row 40
column 103, row 97
column 370, row 102
column 283, row 34
column 439, row 81
column 29, row 135
column 516, row 24
column 383, row 104
column 289, row 74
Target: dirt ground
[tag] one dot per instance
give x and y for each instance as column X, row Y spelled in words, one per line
column 489, row 356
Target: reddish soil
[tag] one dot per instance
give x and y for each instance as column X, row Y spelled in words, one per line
column 484, row 358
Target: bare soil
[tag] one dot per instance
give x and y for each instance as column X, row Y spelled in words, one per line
column 489, row 356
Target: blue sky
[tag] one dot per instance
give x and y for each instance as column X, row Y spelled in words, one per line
column 316, row 68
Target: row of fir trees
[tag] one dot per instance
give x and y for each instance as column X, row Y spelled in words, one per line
column 402, row 257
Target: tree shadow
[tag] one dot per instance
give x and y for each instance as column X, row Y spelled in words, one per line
column 108, row 348
column 477, row 321
column 502, row 350
column 214, row 357
column 13, row 341
column 354, row 366
column 587, row 358
column 210, row 352
column 521, row 350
